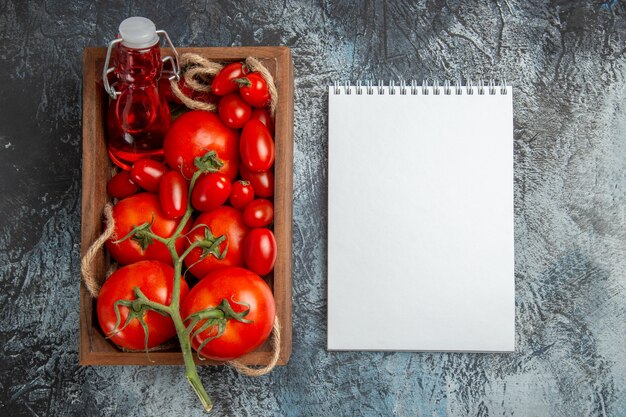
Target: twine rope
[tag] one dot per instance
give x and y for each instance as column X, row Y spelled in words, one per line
column 198, row 72
column 275, row 344
column 89, row 278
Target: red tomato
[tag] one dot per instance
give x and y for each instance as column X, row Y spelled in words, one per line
column 256, row 147
column 194, row 134
column 259, row 251
column 221, row 221
column 223, row 82
column 121, row 185
column 262, row 182
column 241, row 194
column 210, row 192
column 147, row 174
column 243, row 290
column 258, row 213
column 264, row 116
column 233, row 111
column 156, row 282
column 173, row 195
column 253, row 90
column 135, row 211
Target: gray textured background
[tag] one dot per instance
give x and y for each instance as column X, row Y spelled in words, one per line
column 566, row 61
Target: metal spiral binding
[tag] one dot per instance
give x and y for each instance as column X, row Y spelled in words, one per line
column 414, row 88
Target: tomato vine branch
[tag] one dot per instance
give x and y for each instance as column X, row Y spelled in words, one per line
column 216, row 316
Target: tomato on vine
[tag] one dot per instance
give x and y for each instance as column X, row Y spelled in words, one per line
column 225, row 221
column 117, row 315
column 192, row 135
column 251, row 302
column 135, row 211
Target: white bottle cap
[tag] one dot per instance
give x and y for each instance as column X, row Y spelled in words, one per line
column 138, row 33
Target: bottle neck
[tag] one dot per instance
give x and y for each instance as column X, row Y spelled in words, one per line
column 138, row 66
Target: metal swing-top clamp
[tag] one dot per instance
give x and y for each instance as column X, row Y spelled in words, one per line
column 138, row 33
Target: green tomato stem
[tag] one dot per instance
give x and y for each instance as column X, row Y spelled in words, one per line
column 158, row 238
column 191, row 247
column 190, row 367
column 157, row 306
column 183, row 335
column 173, row 310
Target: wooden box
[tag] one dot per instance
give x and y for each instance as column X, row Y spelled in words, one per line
column 94, row 348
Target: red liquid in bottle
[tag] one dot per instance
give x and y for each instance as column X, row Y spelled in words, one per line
column 139, row 117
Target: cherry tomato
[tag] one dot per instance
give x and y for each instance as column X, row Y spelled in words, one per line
column 221, row 221
column 194, row 134
column 256, row 147
column 233, row 111
column 264, row 116
column 262, row 182
column 121, row 185
column 156, row 282
column 244, row 290
column 134, row 211
column 210, row 192
column 253, row 90
column 173, row 195
column 241, row 194
column 147, row 174
column 258, row 213
column 259, row 251
column 223, row 82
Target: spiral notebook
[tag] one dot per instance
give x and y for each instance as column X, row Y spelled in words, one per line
column 420, row 218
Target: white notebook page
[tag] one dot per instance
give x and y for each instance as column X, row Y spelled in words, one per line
column 420, row 222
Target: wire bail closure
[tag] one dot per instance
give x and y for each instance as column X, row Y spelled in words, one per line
column 106, row 70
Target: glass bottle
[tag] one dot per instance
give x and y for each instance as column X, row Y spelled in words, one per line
column 138, row 116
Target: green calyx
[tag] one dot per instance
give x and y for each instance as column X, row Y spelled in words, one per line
column 243, row 82
column 209, row 162
column 141, row 234
column 137, row 309
column 211, row 245
column 214, row 318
